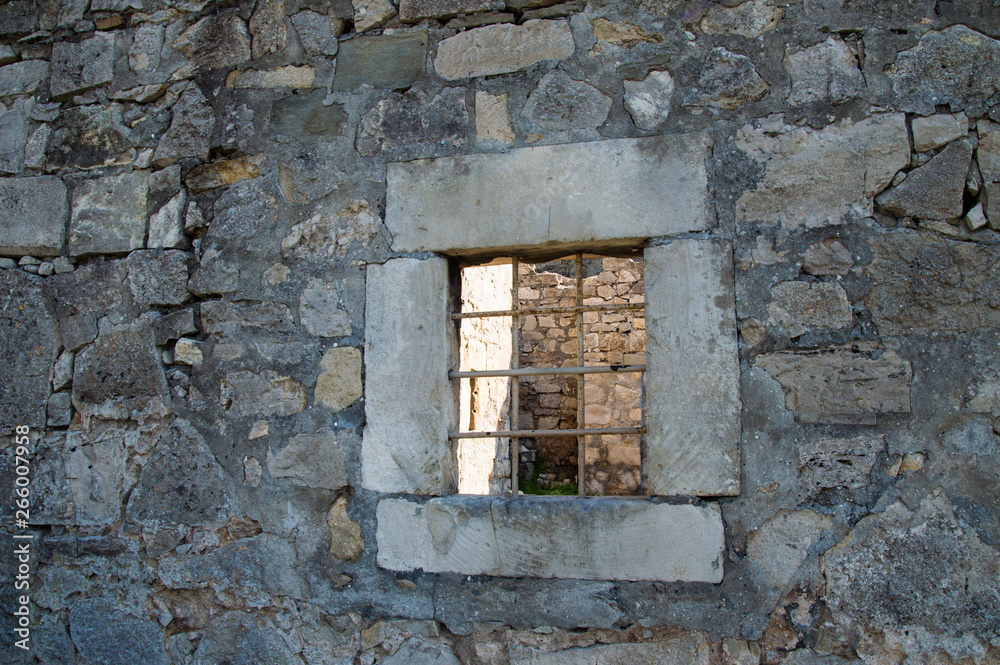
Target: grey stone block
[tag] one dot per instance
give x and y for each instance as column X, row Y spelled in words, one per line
column 503, row 48
column 415, row 118
column 690, row 649
column 105, row 634
column 18, row 17
column 583, row 192
column 79, row 66
column 191, row 128
column 174, row 325
column 28, row 344
column 109, row 214
column 935, row 190
column 560, row 102
column 727, row 81
column 93, row 289
column 385, row 61
column 306, row 119
column 14, row 136
column 314, row 460
column 90, row 136
column 77, row 330
column 59, row 409
column 32, row 216
column 23, row 77
column 158, row 278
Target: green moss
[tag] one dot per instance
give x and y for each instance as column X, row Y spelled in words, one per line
column 535, row 485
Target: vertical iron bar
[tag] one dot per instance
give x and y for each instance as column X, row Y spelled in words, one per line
column 581, row 441
column 642, row 437
column 515, row 362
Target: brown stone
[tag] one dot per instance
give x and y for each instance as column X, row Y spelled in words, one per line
column 345, row 534
column 223, row 173
column 339, row 382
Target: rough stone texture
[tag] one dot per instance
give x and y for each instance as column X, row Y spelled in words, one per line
column 416, row 651
column 386, row 61
column 692, row 648
column 83, row 65
column 190, row 133
column 559, row 102
column 109, row 214
column 955, row 67
column 648, row 100
column 412, row 11
column 318, row 33
column 497, row 49
column 23, row 77
column 815, row 178
column 223, row 173
column 14, row 136
column 33, row 215
column 289, row 76
column 923, row 282
column 147, row 44
column 846, row 384
column 217, row 41
column 826, row 71
column 988, row 153
column 831, row 463
column 319, row 311
column 692, row 444
column 799, row 307
column 934, row 190
column 312, row 460
column 845, row 15
column 346, row 542
column 92, row 290
column 28, row 347
column 829, row 257
column 158, row 278
column 409, row 402
column 749, row 19
column 938, row 130
column 239, row 318
column 658, row 187
column 779, row 546
column 370, row 14
column 261, row 394
column 413, row 117
column 166, row 226
column 306, row 119
column 627, row 540
column 91, row 137
column 267, row 27
column 624, row 35
column 119, row 376
column 339, row 382
column 325, row 235
column 18, row 17
column 727, row 81
column 105, row 634
column 493, row 121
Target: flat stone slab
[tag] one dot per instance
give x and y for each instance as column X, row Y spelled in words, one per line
column 502, row 48
column 583, row 192
column 32, row 216
column 384, row 61
column 543, row 537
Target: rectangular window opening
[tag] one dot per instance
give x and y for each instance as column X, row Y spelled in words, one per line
column 519, row 345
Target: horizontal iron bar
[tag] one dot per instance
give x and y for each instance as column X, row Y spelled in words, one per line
column 531, row 433
column 551, row 310
column 544, row 371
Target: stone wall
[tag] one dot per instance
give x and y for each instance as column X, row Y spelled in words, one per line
column 204, row 205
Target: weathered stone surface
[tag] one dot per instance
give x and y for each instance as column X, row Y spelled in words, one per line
column 109, row 214
column 991, row 196
column 648, row 100
column 727, row 81
column 289, row 76
column 531, row 537
column 923, row 282
column 369, row 14
column 409, row 403
column 559, row 102
column 414, row 118
column 95, row 466
column 814, row 178
column 778, row 547
column 493, row 121
column 988, row 153
column 90, row 289
column 240, row 318
column 934, row 190
column 318, row 33
column 339, row 382
column 845, row 384
column 829, row 257
column 105, row 634
column 37, row 144
column 560, row 193
column 624, row 35
column 306, row 119
column 147, row 45
column 223, row 173
column 416, row 651
column 749, row 19
column 14, row 136
column 266, row 393
column 831, row 463
column 320, row 313
column 920, row 568
column 83, row 65
column 188, row 352
column 840, row 15
column 33, row 215
column 119, row 376
column 497, row 49
column 18, row 17
column 955, row 67
column 799, row 307
column 690, row 648
column 385, row 61
column 28, row 344
column 692, row 444
column 217, row 41
column 346, row 542
column 23, row 77
column 938, row 130
column 90, row 137
column 412, row 11
column 166, row 226
column 158, row 278
column 190, row 133
column 827, row 71
column 267, row 26
column 241, row 637
column 324, row 235
column 313, row 460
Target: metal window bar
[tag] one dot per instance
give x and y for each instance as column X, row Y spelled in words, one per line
column 581, row 370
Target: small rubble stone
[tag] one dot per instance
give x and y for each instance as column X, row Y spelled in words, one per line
column 33, row 215
column 158, row 278
column 319, row 311
column 14, row 136
column 91, row 289
column 975, row 219
column 62, row 265
column 147, row 44
column 498, row 49
column 190, row 133
column 799, row 307
column 413, row 11
column 846, row 384
column 261, row 394
column 223, row 173
column 339, row 382
column 988, row 152
column 289, row 76
column 831, row 463
column 218, row 41
column 188, row 352
column 304, row 179
column 318, row 33
column 166, row 228
column 479, row 20
column 749, row 19
column 22, row 78
column 937, row 130
column 826, row 71
column 370, row 14
column 109, row 214
column 346, row 542
column 174, row 325
column 624, row 35
column 829, row 257
column 77, row 67
column 726, row 81
column 412, row 117
column 103, row 633
column 493, row 121
column 324, row 235
column 306, row 119
column 62, row 371
column 34, row 149
column 932, row 191
column 416, row 651
column 267, row 27
column 648, row 101
column 386, row 61
column 236, row 319
column 560, row 102
column 313, row 460
column 59, row 410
